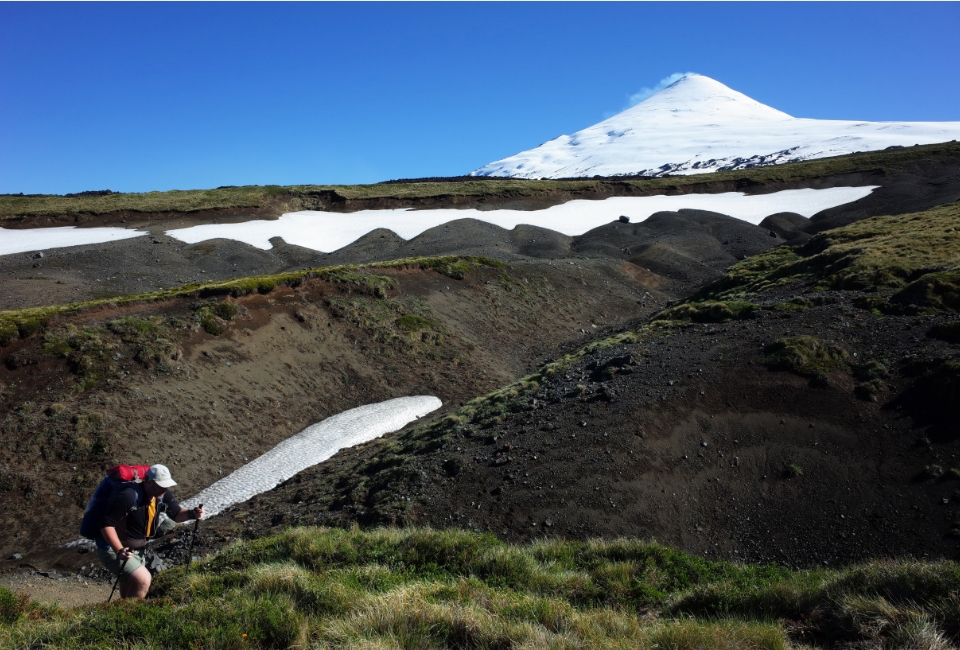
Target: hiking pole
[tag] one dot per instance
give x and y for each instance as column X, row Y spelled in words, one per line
column 120, row 575
column 196, row 526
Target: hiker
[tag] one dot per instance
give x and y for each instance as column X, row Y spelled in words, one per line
column 128, row 523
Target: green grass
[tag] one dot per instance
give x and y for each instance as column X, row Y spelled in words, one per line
column 917, row 254
column 300, row 197
column 312, row 587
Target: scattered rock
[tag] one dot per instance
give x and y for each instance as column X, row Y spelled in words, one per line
column 453, row 467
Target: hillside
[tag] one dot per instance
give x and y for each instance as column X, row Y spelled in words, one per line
column 799, row 410
column 774, row 405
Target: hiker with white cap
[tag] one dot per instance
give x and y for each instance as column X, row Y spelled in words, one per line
column 130, row 520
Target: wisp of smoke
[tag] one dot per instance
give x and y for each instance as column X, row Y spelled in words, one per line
column 643, row 93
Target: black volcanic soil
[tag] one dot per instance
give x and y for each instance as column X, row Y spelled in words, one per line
column 691, row 444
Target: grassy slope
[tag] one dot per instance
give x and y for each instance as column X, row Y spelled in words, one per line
column 441, row 589
column 902, row 252
column 12, row 207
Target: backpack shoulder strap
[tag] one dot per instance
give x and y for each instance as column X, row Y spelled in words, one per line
column 123, row 485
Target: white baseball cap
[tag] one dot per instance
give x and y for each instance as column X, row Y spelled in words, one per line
column 160, row 475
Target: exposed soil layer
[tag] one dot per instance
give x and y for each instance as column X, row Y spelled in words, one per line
column 693, row 442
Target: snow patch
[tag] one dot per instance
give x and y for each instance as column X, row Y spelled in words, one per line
column 327, row 231
column 313, row 445
column 39, row 239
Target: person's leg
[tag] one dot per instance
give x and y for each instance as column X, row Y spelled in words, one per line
column 130, row 586
column 136, row 584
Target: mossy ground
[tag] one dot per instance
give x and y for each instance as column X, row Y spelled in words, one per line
column 440, row 589
column 917, row 254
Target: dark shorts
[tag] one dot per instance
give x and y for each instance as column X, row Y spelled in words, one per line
column 109, row 559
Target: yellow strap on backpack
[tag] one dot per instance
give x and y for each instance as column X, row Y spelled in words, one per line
column 151, row 513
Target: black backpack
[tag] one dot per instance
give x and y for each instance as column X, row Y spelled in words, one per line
column 105, row 493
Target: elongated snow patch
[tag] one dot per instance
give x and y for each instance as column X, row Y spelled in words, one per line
column 313, row 445
column 38, row 239
column 329, row 231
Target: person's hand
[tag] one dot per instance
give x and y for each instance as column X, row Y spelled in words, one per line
column 125, row 553
column 198, row 512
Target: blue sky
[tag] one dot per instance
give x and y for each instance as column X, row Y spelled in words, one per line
column 139, row 97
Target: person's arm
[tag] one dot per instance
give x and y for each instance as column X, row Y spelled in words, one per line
column 187, row 515
column 110, row 534
column 182, row 514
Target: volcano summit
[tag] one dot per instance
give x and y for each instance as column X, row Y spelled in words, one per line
column 699, row 125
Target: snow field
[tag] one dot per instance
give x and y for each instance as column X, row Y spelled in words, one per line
column 38, row 239
column 328, row 231
column 313, row 445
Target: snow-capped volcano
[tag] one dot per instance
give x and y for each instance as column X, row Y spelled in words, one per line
column 699, row 125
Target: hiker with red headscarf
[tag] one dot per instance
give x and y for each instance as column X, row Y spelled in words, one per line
column 130, row 520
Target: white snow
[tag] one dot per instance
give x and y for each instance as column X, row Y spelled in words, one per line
column 700, row 125
column 315, row 444
column 327, row 231
column 40, row 239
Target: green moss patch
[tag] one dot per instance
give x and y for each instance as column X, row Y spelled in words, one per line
column 89, row 351
column 413, row 323
column 806, row 356
column 213, row 317
column 940, row 290
column 708, row 311
column 153, row 338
